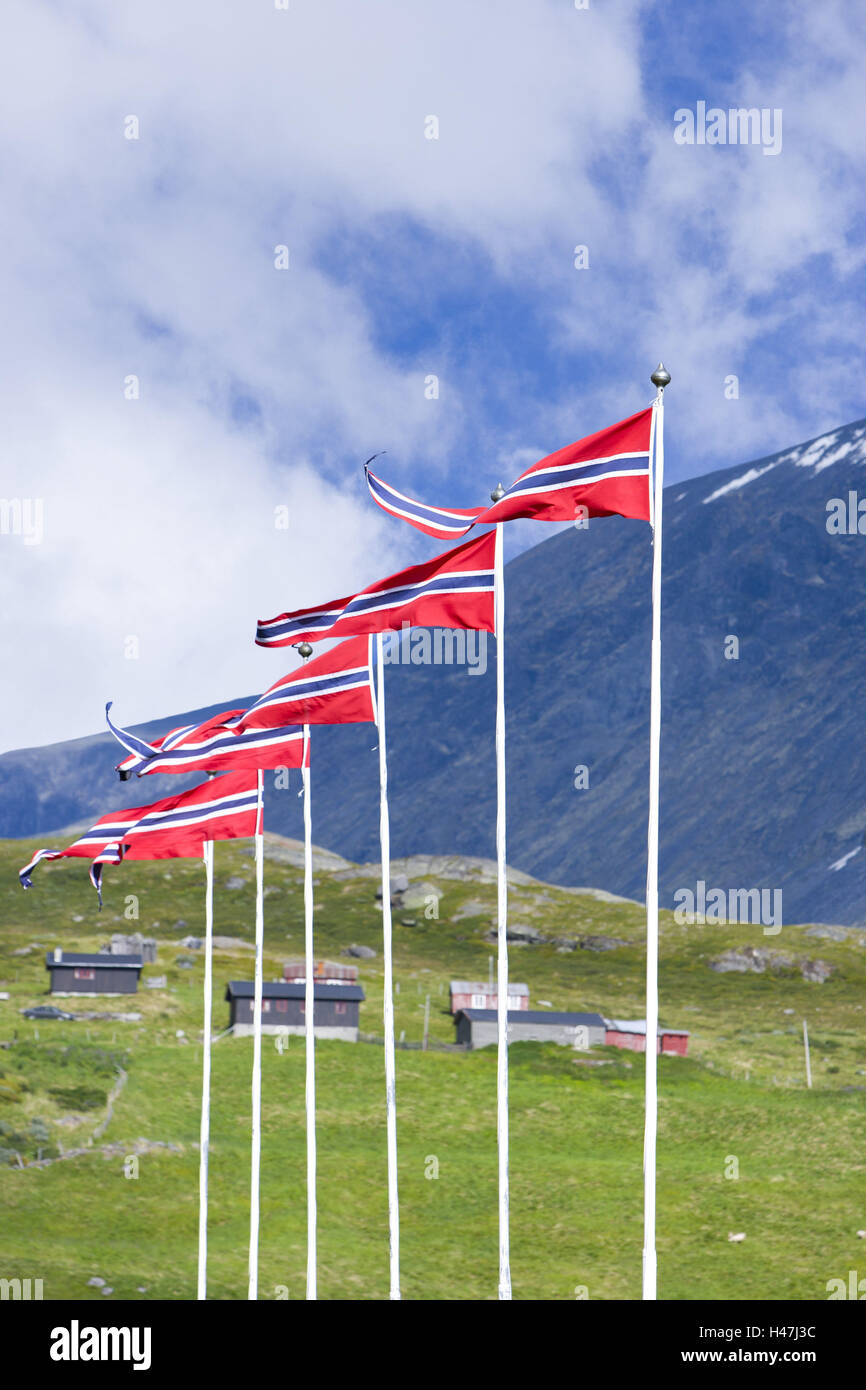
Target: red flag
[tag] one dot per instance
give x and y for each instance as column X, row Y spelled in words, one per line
column 216, row 745
column 225, row 808
column 607, row 473
column 336, row 688
column 454, row 590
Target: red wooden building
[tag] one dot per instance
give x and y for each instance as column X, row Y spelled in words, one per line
column 631, row 1033
column 474, row 994
column 325, row 972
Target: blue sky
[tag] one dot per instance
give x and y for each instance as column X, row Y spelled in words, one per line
column 261, row 388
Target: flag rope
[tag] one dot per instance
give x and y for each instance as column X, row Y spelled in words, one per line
column 390, row 1058
column 501, row 930
column 204, row 1132
column 652, row 886
column 309, row 1023
column 256, row 1155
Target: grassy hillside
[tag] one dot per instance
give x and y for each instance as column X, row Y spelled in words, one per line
column 576, row 1119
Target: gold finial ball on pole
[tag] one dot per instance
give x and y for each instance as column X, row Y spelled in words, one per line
column 661, row 377
column 305, row 649
column 498, row 493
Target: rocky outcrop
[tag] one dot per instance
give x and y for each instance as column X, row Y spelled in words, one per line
column 758, row 959
column 828, row 933
column 589, row 943
column 518, row 933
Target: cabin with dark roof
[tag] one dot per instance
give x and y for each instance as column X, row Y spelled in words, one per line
column 335, row 1013
column 71, row 973
column 479, row 1028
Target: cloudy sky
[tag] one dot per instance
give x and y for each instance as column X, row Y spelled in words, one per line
column 168, row 391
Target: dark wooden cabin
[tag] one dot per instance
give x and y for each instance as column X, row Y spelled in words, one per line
column 480, row 1028
column 336, row 1012
column 71, row 973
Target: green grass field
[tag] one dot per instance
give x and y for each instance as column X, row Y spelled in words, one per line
column 737, row 1103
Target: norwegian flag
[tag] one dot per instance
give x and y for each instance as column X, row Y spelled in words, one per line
column 222, row 808
column 216, row 745
column 93, row 845
column 110, row 853
column 445, row 523
column 336, row 688
column 454, row 590
column 226, row 808
column 606, row 473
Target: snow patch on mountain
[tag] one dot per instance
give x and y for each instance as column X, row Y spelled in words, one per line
column 744, row 478
column 822, row 454
column 840, row 863
column 814, row 453
column 852, row 446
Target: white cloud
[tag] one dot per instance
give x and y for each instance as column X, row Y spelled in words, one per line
column 154, row 257
column 305, row 127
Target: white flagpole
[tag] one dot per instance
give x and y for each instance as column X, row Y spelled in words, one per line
column 390, row 1058
column 306, row 651
column 502, row 923
column 660, row 379
column 255, row 1164
column 309, row 1027
column 204, row 1132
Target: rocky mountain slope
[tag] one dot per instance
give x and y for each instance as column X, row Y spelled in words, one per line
column 764, row 662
